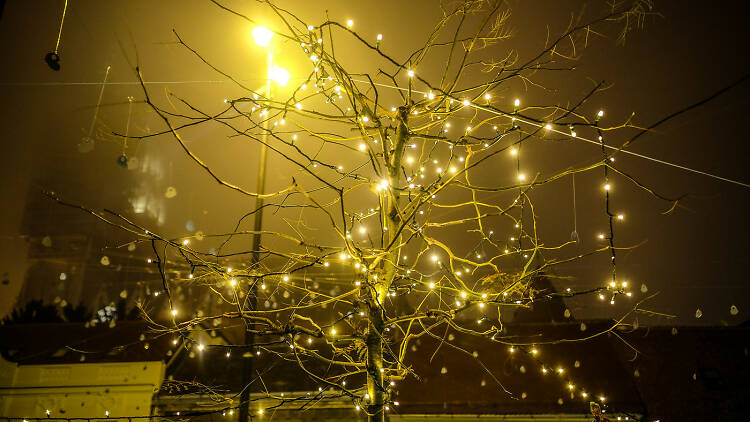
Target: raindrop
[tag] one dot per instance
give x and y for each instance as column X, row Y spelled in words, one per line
column 170, row 193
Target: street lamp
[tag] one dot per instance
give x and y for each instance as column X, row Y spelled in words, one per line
column 262, row 37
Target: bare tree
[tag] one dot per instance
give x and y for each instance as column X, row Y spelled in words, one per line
column 384, row 167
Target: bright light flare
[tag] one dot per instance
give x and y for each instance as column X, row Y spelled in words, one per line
column 262, row 36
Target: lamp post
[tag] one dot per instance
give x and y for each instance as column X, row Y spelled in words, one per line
column 262, row 37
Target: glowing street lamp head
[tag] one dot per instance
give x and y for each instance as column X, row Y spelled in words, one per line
column 262, row 36
column 279, row 75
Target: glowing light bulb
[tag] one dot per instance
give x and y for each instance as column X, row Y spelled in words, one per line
column 410, row 73
column 548, row 126
column 174, row 312
column 362, row 147
column 201, row 347
column 620, row 217
column 513, row 151
column 431, row 285
column 466, row 102
column 517, row 102
column 185, row 242
column 600, row 113
column 350, row 23
column 232, row 282
column 607, row 187
column 380, row 37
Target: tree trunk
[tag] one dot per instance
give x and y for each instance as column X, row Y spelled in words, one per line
column 389, row 198
column 375, row 387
